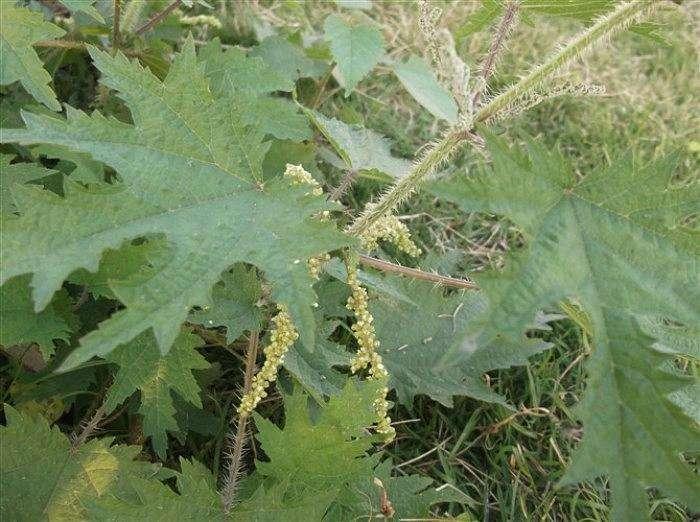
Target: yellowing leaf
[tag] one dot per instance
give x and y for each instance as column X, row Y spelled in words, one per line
column 42, row 479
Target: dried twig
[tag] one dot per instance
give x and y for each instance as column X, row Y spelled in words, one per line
column 386, row 266
column 158, row 17
column 115, row 24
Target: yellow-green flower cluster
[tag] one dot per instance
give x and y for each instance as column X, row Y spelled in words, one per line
column 282, row 338
column 298, row 176
column 367, row 355
column 316, row 264
column 389, row 228
column 381, row 409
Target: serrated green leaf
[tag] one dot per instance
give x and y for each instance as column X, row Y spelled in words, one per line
column 614, row 242
column 362, row 149
column 327, row 458
column 332, row 440
column 420, row 81
column 131, row 262
column 484, row 16
column 235, row 70
column 17, row 173
column 156, row 376
column 582, row 10
column 672, row 338
column 248, row 80
column 420, row 343
column 279, row 117
column 197, row 499
column 677, row 340
column 234, row 303
column 315, row 369
column 411, row 496
column 274, row 503
column 188, row 174
column 356, row 49
column 42, row 479
column 22, row 325
column 287, row 59
column 85, row 170
column 318, row 470
column 634, row 429
column 20, row 28
column 84, row 6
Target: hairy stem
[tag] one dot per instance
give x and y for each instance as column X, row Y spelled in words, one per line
column 386, row 266
column 87, row 429
column 605, row 27
column 237, row 441
column 156, row 18
column 342, row 188
column 497, row 44
column 620, row 18
column 437, row 154
column 115, row 28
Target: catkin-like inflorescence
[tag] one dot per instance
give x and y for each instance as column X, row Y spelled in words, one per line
column 297, row 175
column 282, row 337
column 427, row 22
column 367, row 355
column 389, row 228
column 316, row 263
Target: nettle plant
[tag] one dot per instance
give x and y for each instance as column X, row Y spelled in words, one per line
column 181, row 230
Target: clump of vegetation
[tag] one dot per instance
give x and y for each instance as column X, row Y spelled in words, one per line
column 349, row 260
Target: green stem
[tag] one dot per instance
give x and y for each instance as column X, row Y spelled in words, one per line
column 617, row 20
column 116, row 31
column 402, row 190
